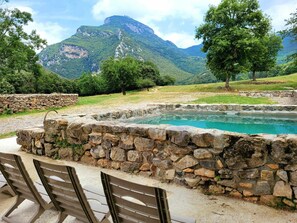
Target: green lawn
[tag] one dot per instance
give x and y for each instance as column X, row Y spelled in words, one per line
column 232, row 99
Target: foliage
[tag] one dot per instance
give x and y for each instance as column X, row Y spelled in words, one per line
column 16, row 46
column 6, row 87
column 91, row 84
column 232, row 99
column 291, row 31
column 264, row 54
column 145, row 83
column 229, row 33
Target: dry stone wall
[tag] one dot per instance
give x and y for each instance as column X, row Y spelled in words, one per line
column 12, row 103
column 258, row 168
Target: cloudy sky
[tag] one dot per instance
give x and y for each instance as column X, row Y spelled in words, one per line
column 173, row 20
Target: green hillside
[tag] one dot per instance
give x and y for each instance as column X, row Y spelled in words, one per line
column 119, row 36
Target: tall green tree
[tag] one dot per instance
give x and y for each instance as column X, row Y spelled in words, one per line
column 228, row 33
column 120, row 73
column 17, row 48
column 291, row 31
column 264, row 54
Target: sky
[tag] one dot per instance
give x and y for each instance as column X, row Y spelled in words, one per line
column 174, row 20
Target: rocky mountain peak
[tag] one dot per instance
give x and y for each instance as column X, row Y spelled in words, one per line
column 128, row 23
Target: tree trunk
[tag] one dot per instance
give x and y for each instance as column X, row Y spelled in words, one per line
column 254, row 75
column 123, row 91
column 227, row 86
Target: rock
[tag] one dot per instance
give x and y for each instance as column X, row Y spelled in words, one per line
column 75, row 133
column 114, row 139
column 293, row 178
column 169, row 174
column 208, row 164
column 157, row 134
column 203, row 140
column 188, row 170
column 262, row 188
column 145, row 167
column 202, row 154
column 117, row 154
column 247, row 152
column 282, row 175
column 103, row 163
column 95, row 138
column 220, row 165
column 88, row 160
column 270, row 200
column 278, row 154
column 192, row 182
column 247, row 193
column 289, row 203
column 177, row 151
column 216, row 189
column 186, row 162
column 134, row 156
column 249, row 174
column 273, row 166
column 292, row 167
column 246, row 185
column 226, row 174
column 205, row 173
column 127, row 142
column 228, row 183
column 130, row 167
column 235, row 194
column 49, row 150
column 180, row 138
column 143, row 144
column 251, row 199
column 66, row 153
column 115, row 165
column 162, row 164
column 97, row 152
column 87, row 147
column 267, row 175
column 282, row 189
column 221, row 141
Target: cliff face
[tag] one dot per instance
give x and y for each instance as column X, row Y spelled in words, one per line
column 119, row 36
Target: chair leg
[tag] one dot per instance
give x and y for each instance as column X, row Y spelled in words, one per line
column 17, row 202
column 62, row 217
column 37, row 214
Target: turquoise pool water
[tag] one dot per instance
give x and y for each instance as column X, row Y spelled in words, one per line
column 229, row 122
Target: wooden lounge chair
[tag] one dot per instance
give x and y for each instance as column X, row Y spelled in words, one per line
column 22, row 186
column 130, row 202
column 4, row 188
column 68, row 196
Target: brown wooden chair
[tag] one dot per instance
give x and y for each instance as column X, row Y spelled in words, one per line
column 130, row 202
column 4, row 188
column 68, row 196
column 22, row 186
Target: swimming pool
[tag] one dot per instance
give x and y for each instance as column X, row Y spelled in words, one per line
column 242, row 123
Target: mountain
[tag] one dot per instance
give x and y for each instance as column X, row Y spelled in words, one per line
column 119, row 36
column 195, row 51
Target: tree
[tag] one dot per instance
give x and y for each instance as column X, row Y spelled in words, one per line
column 229, row 32
column 120, row 73
column 17, row 48
column 291, row 23
column 264, row 53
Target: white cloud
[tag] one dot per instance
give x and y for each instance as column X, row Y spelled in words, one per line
column 50, row 31
column 279, row 12
column 153, row 12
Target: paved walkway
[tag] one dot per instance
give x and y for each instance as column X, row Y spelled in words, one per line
column 182, row 201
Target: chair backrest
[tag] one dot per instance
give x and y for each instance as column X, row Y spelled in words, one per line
column 18, row 178
column 130, row 202
column 64, row 190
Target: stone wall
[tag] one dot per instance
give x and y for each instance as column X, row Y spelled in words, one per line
column 258, row 168
column 289, row 95
column 12, row 103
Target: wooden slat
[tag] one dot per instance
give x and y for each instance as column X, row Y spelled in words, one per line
column 126, row 214
column 49, row 173
column 52, row 167
column 53, row 182
column 63, row 191
column 67, row 200
column 137, row 207
column 118, row 191
column 132, row 186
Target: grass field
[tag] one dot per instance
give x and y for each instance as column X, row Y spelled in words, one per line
column 232, row 99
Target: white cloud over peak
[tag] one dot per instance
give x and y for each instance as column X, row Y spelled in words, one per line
column 154, row 12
